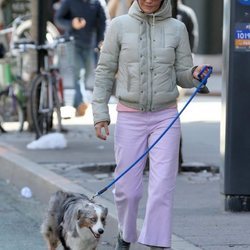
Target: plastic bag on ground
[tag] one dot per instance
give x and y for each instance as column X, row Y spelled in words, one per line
column 49, row 141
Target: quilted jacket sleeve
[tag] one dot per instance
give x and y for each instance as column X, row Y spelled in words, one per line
column 184, row 61
column 105, row 73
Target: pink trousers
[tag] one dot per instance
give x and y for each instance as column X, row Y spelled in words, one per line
column 134, row 132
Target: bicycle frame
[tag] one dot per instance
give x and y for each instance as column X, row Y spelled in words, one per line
column 10, row 111
column 45, row 98
column 46, row 95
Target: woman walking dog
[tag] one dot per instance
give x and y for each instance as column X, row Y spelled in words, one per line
column 148, row 53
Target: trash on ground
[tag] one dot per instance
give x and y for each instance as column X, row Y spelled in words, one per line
column 49, row 141
column 26, row 192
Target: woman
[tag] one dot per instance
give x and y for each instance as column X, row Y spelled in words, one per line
column 148, row 53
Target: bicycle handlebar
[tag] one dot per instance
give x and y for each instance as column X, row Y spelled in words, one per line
column 6, row 31
column 23, row 46
column 14, row 24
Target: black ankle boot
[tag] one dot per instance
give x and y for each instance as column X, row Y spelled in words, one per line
column 121, row 244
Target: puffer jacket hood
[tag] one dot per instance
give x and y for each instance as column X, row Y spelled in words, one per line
column 164, row 12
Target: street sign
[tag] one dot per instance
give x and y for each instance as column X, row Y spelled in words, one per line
column 242, row 37
column 245, row 2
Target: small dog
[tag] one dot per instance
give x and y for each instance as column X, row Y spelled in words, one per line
column 73, row 220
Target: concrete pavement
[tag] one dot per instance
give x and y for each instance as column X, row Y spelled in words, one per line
column 85, row 166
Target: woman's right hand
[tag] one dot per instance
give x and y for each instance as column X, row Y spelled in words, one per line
column 102, row 130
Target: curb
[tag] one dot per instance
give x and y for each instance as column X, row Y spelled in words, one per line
column 23, row 172
column 212, row 93
column 185, row 167
column 199, row 167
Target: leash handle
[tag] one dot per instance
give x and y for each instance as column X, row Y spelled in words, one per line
column 202, row 83
column 210, row 69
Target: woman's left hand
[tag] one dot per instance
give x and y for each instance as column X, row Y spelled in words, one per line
column 198, row 70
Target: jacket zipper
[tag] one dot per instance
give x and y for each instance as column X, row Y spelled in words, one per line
column 152, row 35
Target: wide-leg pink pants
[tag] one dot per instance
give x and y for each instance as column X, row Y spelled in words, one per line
column 134, row 132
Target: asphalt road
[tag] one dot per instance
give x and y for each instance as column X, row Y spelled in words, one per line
column 20, row 220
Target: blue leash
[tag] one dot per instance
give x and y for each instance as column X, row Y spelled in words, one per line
column 203, row 82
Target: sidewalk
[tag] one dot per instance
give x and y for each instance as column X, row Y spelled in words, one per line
column 85, row 166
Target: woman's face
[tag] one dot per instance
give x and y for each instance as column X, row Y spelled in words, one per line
column 149, row 6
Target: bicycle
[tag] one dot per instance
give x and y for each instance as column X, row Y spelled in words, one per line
column 13, row 95
column 10, row 109
column 46, row 95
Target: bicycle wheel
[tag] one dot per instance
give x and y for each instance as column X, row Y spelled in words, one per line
column 24, row 31
column 45, row 105
column 11, row 113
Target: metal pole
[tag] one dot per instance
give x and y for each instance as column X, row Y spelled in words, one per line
column 174, row 8
column 41, row 27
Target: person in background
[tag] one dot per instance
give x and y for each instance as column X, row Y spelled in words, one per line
column 148, row 53
column 86, row 22
column 187, row 15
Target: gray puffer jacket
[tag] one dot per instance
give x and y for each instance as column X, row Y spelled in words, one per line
column 146, row 56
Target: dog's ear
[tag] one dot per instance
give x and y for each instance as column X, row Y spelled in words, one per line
column 79, row 214
column 105, row 211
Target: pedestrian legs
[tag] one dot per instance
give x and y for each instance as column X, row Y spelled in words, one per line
column 163, row 162
column 135, row 131
column 130, row 143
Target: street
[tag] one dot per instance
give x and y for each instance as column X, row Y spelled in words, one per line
column 200, row 221
column 20, row 220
